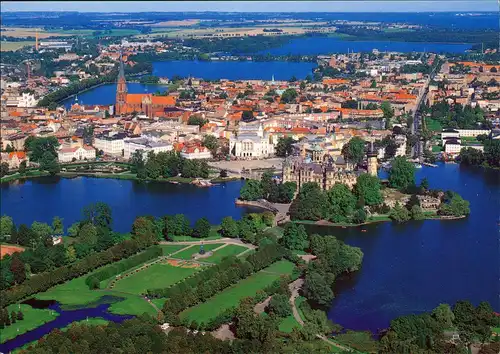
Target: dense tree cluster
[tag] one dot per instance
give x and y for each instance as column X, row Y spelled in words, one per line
column 284, row 147
column 427, row 332
column 249, row 228
column 43, row 151
column 490, row 156
column 43, row 264
column 268, row 189
column 354, row 150
column 7, row 319
column 402, row 174
column 458, row 116
column 166, row 164
column 339, row 203
column 454, row 205
column 334, row 257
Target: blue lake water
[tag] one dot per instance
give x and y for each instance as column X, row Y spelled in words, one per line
column 128, row 199
column 414, row 267
column 328, row 45
column 234, row 70
column 408, row 268
column 65, row 318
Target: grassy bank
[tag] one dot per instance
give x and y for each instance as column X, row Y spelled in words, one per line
column 32, row 318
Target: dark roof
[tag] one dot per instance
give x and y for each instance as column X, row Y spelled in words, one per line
column 450, row 131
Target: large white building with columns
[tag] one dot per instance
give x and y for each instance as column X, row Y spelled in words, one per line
column 251, row 142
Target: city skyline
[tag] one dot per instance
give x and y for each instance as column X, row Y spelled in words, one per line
column 255, row 6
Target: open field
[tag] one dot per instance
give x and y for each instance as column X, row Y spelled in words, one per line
column 159, row 275
column 180, row 23
column 33, row 318
column 205, row 312
column 229, row 250
column 132, row 305
column 13, row 46
column 21, row 32
column 187, row 254
column 9, row 249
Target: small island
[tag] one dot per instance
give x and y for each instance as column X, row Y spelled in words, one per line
column 335, row 191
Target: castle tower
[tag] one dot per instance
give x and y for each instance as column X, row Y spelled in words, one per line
column 121, row 91
column 372, row 161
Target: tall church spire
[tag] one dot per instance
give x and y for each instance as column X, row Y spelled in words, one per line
column 121, row 89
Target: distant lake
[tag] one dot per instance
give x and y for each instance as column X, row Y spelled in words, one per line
column 327, row 45
column 232, row 70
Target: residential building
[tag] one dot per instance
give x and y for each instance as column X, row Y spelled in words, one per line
column 77, row 153
column 14, row 159
column 27, row 100
column 195, row 151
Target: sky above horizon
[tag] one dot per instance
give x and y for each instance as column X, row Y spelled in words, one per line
column 255, row 6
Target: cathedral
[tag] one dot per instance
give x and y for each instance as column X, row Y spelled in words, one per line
column 142, row 103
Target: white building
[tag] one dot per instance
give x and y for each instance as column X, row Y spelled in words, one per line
column 472, row 133
column 196, row 152
column 78, row 153
column 401, row 143
column 250, row 142
column 27, row 100
column 146, row 145
column 448, row 134
column 112, row 144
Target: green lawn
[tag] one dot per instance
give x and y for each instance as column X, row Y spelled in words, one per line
column 187, row 254
column 169, row 249
column 281, row 267
column 132, row 305
column 226, row 251
column 433, row 125
column 76, row 293
column 92, row 321
column 73, row 292
column 32, row 319
column 6, row 46
column 229, row 298
column 362, row 341
column 159, row 275
column 288, row 324
column 213, row 235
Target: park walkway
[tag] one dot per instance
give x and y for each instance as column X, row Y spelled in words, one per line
column 227, row 240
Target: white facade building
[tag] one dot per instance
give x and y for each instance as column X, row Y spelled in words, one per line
column 78, row 153
column 251, row 142
column 401, row 143
column 196, row 152
column 146, row 145
column 110, row 144
column 27, row 100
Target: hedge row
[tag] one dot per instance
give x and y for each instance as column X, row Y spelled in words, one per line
column 187, row 293
column 119, row 267
column 43, row 281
